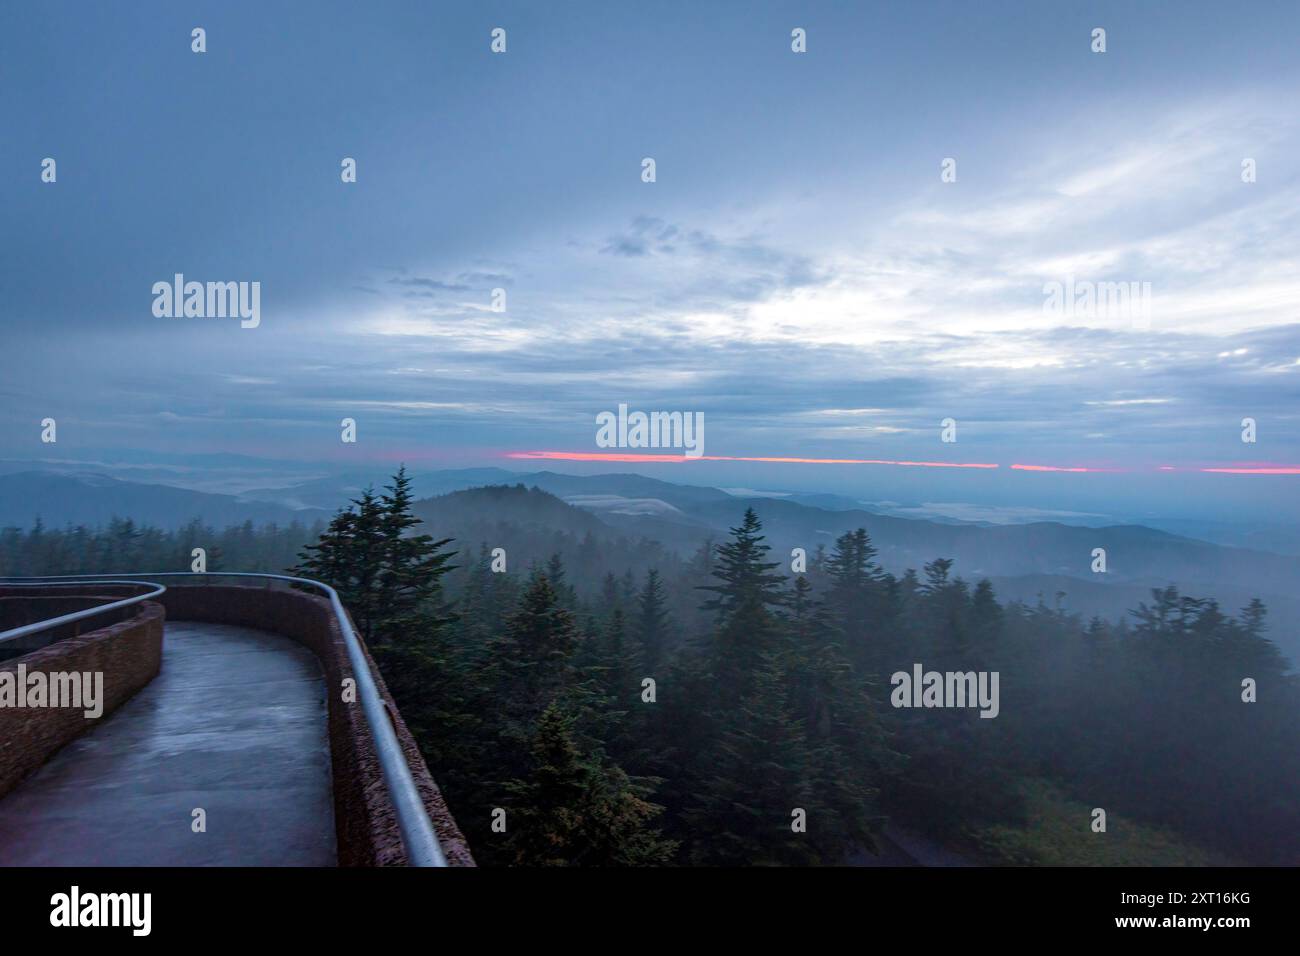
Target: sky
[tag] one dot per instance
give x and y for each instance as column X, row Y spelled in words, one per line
column 798, row 272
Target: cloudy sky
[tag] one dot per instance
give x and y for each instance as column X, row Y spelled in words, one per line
column 798, row 271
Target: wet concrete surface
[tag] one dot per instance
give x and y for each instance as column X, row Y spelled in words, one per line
column 234, row 724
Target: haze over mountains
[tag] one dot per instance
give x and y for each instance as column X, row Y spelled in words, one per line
column 1026, row 561
column 91, row 499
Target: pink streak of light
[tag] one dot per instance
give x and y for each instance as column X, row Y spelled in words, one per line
column 1065, row 468
column 1242, row 469
column 1269, row 470
column 621, row 457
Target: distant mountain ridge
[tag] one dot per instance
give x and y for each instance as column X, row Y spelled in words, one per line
column 93, row 500
column 1025, row 562
column 1024, row 559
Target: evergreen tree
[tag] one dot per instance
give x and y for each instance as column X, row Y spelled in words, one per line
column 609, row 595
column 572, row 809
column 765, row 704
column 653, row 623
column 617, row 661
column 757, row 775
column 854, row 600
column 350, row 558
column 528, row 666
column 986, row 614
column 619, row 668
column 410, row 583
column 389, row 579
column 747, row 579
column 565, row 595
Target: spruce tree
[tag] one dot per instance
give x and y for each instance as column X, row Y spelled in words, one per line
column 652, row 621
column 573, row 809
column 528, row 666
column 388, row 579
column 746, row 576
column 349, row 558
column 565, row 595
column 757, row 775
column 854, row 600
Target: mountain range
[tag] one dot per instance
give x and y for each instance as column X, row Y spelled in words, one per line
column 1028, row 561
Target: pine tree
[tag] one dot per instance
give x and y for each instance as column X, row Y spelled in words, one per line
column 747, row 578
column 847, row 756
column 350, row 558
column 572, row 809
column 757, row 775
column 986, row 615
column 854, row 599
column 391, row 583
column 946, row 605
column 802, row 605
column 618, row 669
column 388, row 579
column 565, row 595
column 409, row 586
column 609, row 596
column 652, row 621
column 746, row 630
column 527, row 667
column 617, row 662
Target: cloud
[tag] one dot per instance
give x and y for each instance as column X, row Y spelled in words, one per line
column 423, row 282
column 804, row 287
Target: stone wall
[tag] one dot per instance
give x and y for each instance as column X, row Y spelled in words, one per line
column 127, row 650
column 17, row 610
column 367, row 829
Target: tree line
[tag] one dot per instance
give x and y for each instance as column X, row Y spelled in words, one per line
column 124, row 546
column 587, row 723
column 721, row 709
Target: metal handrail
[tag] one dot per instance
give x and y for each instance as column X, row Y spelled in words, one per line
column 418, row 836
column 14, row 633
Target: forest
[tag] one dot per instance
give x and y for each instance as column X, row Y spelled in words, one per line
column 726, row 710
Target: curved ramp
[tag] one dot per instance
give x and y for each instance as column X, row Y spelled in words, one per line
column 235, row 725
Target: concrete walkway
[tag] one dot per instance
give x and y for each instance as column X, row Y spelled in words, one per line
column 234, row 724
